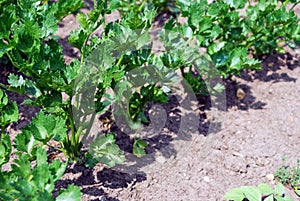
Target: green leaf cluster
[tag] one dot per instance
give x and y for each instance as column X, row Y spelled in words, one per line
column 135, row 6
column 139, row 147
column 9, row 113
column 289, row 175
column 269, row 26
column 138, row 101
column 229, row 37
column 26, row 181
column 104, row 149
column 40, row 131
column 263, row 191
column 27, row 39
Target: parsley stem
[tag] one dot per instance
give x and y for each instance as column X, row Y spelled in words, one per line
column 77, row 135
column 72, row 125
column 71, row 121
column 2, row 128
column 120, row 60
column 141, row 6
column 83, row 48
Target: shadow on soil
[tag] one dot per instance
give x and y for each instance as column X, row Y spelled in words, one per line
column 271, row 67
column 94, row 184
column 248, row 102
column 271, row 71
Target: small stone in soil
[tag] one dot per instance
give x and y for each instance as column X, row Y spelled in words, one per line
column 206, row 179
column 270, row 177
column 161, row 159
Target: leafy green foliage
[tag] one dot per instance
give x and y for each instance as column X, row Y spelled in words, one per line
column 9, row 111
column 90, row 161
column 45, row 127
column 5, row 150
column 229, row 37
column 72, row 193
column 32, row 48
column 138, row 101
column 8, row 114
column 24, row 181
column 135, row 6
column 218, row 28
column 65, row 7
column 139, row 147
column 40, row 131
column 88, row 24
column 289, row 175
column 283, row 174
column 195, row 82
column 180, row 54
column 263, row 191
column 280, row 26
column 35, row 183
column 27, row 40
column 104, row 149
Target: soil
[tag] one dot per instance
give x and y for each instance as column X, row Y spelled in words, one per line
column 247, row 142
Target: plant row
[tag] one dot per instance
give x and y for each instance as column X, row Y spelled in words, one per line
column 71, row 95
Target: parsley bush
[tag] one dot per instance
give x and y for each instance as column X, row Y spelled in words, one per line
column 229, row 37
column 24, row 181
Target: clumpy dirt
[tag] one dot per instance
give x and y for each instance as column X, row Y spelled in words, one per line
column 251, row 138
